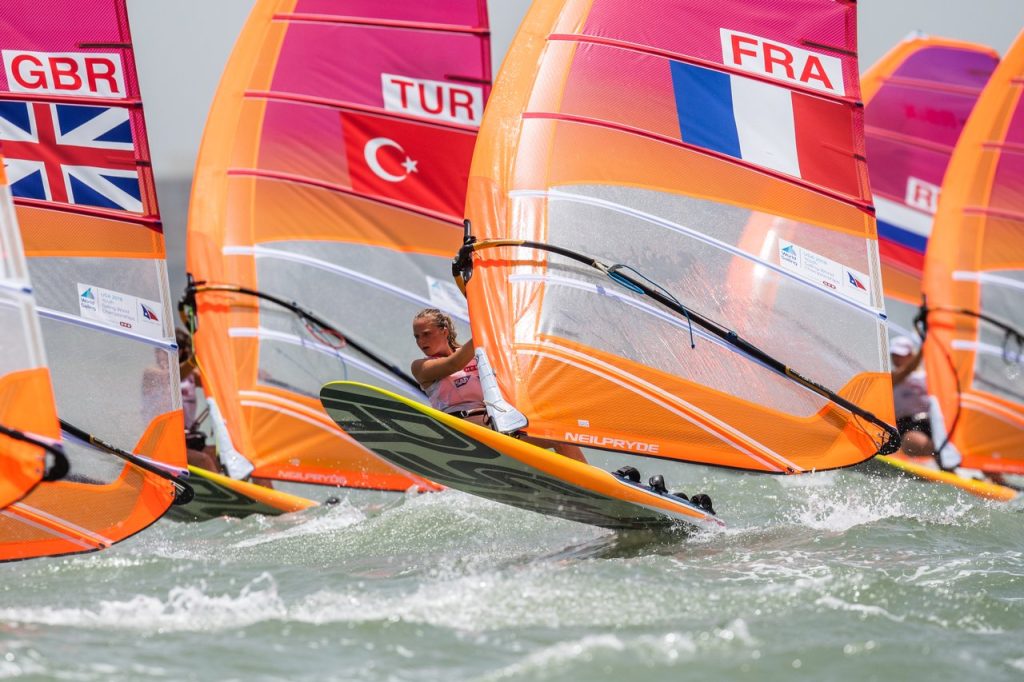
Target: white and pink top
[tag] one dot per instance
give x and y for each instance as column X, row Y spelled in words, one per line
column 458, row 392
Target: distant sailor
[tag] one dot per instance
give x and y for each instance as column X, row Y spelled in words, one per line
column 910, row 396
column 448, row 374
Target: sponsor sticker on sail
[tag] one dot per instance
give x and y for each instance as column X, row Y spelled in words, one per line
column 120, row 311
column 825, row 272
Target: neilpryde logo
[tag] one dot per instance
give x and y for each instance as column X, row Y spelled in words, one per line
column 854, row 282
column 148, row 314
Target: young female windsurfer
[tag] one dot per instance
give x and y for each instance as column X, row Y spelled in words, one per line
column 450, row 378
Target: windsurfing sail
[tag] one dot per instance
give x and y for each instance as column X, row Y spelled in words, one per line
column 327, row 203
column 917, row 99
column 974, row 284
column 675, row 253
column 78, row 164
column 28, row 417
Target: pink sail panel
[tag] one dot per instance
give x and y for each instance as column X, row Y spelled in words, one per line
column 738, row 60
column 918, row 98
column 333, row 173
column 70, row 114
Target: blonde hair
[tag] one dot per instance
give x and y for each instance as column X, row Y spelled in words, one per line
column 442, row 320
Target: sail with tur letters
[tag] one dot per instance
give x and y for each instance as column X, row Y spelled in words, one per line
column 675, row 253
column 327, row 203
column 78, row 165
column 28, row 418
column 974, row 284
column 917, row 99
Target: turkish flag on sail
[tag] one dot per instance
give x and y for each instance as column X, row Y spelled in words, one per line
column 421, row 165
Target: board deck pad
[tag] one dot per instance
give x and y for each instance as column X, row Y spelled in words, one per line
column 476, row 460
column 218, row 496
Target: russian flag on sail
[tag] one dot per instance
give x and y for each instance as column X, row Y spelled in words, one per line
column 767, row 125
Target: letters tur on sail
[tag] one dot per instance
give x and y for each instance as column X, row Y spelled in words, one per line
column 917, row 99
column 78, row 164
column 26, row 398
column 975, row 266
column 333, row 174
column 719, row 151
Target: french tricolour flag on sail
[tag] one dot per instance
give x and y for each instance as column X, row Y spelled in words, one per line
column 767, row 125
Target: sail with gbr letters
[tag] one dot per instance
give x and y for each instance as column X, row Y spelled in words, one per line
column 327, row 203
column 974, row 284
column 675, row 250
column 78, row 164
column 917, row 99
column 28, row 417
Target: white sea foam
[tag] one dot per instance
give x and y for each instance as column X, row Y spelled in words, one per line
column 864, row 610
column 18, row 659
column 841, row 508
column 188, row 608
column 563, row 660
column 342, row 515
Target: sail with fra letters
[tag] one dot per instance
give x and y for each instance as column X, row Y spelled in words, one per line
column 331, row 179
column 974, row 284
column 917, row 99
column 675, row 249
column 78, row 165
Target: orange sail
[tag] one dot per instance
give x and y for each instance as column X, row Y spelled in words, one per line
column 28, row 418
column 917, row 99
column 675, row 251
column 974, row 284
column 78, row 165
column 327, row 203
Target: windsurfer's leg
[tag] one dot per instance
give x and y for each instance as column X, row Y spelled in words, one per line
column 917, row 444
column 204, row 459
column 917, row 436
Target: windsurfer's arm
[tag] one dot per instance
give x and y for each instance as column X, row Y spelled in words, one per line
column 428, row 370
column 900, row 375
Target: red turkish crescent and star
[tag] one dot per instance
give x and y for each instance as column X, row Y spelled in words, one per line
column 410, row 163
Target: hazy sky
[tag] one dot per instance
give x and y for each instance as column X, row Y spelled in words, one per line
column 181, row 47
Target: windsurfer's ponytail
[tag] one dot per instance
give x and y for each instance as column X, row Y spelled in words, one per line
column 442, row 320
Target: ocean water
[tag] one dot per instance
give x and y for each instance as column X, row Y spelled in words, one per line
column 834, row 576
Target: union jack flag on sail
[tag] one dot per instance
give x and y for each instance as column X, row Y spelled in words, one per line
column 71, row 153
